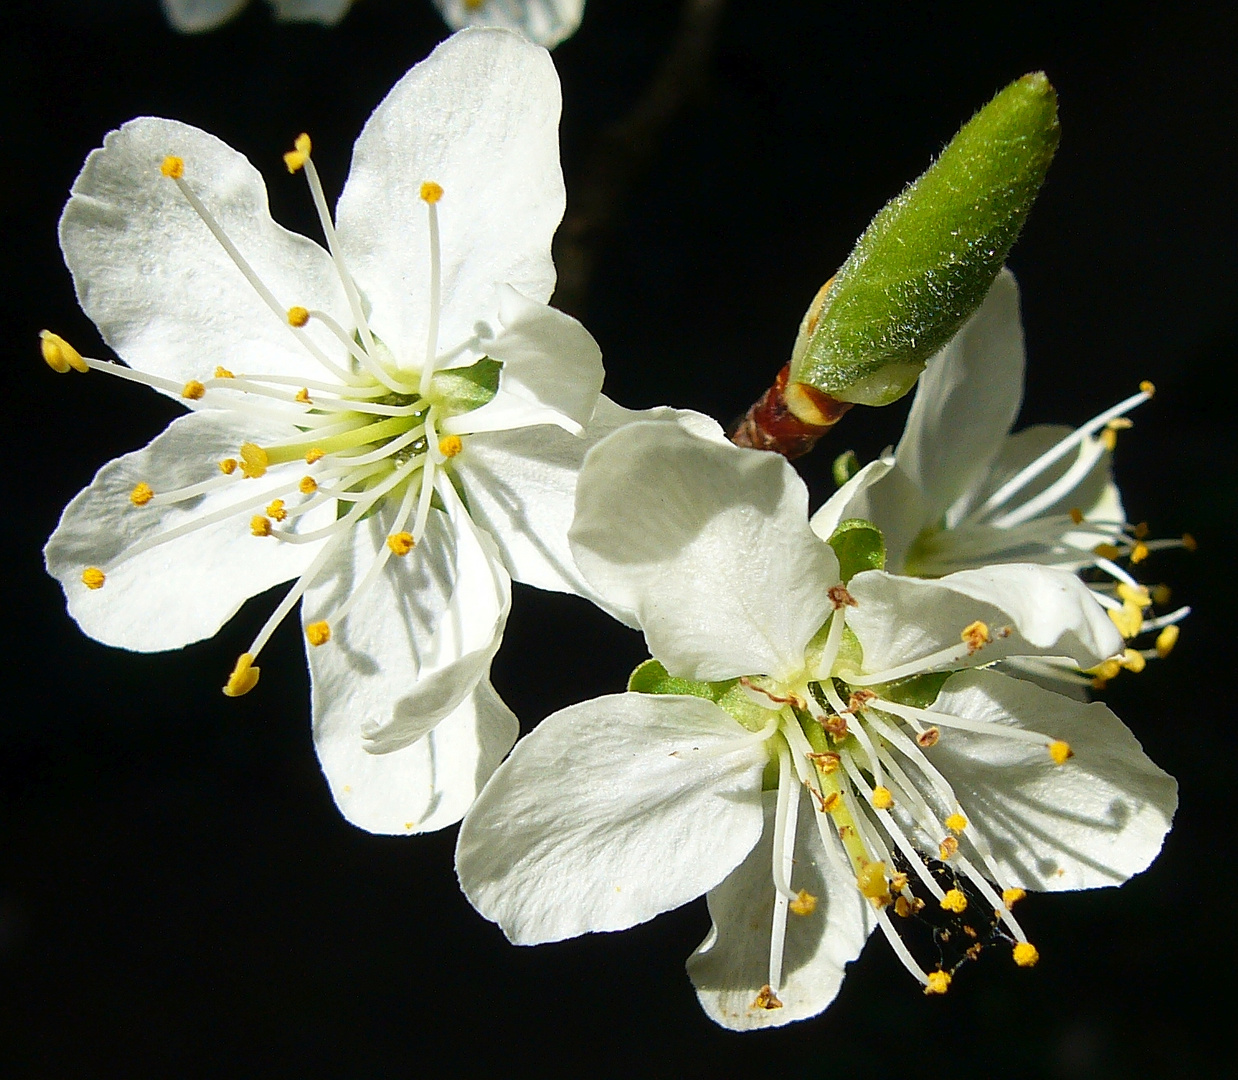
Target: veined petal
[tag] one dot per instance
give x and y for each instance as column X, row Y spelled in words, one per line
column 550, row 362
column 1096, row 819
column 194, row 16
column 422, row 638
column 479, row 117
column 609, row 813
column 967, row 399
column 1048, row 612
column 521, row 488
column 327, row 12
column 731, row 965
column 424, row 786
column 545, row 22
column 709, row 545
column 186, row 589
column 163, row 292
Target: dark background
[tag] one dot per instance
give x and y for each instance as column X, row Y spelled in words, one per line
column 178, row 895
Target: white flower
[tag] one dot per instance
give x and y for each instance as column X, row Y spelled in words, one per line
column 195, row 16
column 345, row 430
column 960, row 491
column 893, row 791
column 546, row 22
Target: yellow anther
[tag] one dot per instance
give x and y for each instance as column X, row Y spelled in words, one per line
column 898, row 882
column 1141, row 530
column 1139, row 552
column 276, row 510
column 431, row 192
column 303, row 396
column 938, row 982
column 1025, row 954
column 948, row 847
column 401, row 543
column 1010, row 897
column 295, row 159
column 804, row 903
column 1103, row 672
column 259, row 525
column 1109, row 439
column 1060, row 750
column 223, row 373
column 450, row 445
column 830, row 803
column 473, row 5
column 315, row 455
column 193, row 390
column 244, row 676
column 871, row 880
column 1076, row 515
column 902, row 907
column 308, row 485
column 93, row 577
column 298, row 316
column 1166, row 640
column 766, row 999
column 883, row 798
column 954, row 901
column 975, row 636
column 1128, row 619
column 826, row 761
column 1120, row 423
column 141, row 494
column 59, row 354
column 318, row 633
column 928, row 737
column 173, row 167
column 1133, row 660
column 254, row 460
column 956, row 823
column 1134, row 594
column 228, row 466
column 1106, row 551
column 1188, row 542
column 1147, row 388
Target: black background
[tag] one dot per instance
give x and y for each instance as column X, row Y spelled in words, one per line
column 178, row 895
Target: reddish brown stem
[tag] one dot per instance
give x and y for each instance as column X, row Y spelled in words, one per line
column 772, row 425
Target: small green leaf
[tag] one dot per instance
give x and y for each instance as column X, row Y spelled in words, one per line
column 928, row 258
column 859, row 546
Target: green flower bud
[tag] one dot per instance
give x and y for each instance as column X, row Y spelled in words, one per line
column 928, row 258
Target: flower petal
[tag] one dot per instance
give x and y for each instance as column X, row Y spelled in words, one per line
column 479, row 117
column 709, row 545
column 607, row 815
column 186, row 589
column 731, row 965
column 424, row 786
column 1094, row 820
column 327, row 12
column 423, row 636
column 546, row 22
column 551, row 364
column 194, row 16
column 157, row 283
column 1048, row 611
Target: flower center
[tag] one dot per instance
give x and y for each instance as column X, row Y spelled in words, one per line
column 366, row 433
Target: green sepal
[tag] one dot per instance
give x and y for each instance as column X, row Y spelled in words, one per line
column 464, row 389
column 928, row 258
column 652, row 678
column 845, row 466
column 859, row 546
column 918, row 691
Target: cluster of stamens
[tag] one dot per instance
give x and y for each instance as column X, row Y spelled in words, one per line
column 369, row 431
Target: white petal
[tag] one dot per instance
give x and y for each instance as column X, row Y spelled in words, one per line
column 606, row 815
column 1049, row 612
column 327, row 12
column 521, row 488
column 186, row 589
column 1094, row 820
column 732, row 964
column 194, row 16
column 158, row 284
column 426, row 785
column 421, row 638
column 550, row 363
column 968, row 397
column 709, row 545
column 546, row 22
column 480, row 117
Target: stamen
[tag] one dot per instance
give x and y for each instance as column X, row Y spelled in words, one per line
column 956, row 823
column 141, row 494
column 93, row 577
column 450, row 445
column 1025, row 954
column 430, row 194
column 295, row 159
column 938, row 982
column 244, row 676
column 318, row 633
column 308, row 485
column 276, row 511
column 1166, row 640
column 1012, row 896
column 59, row 354
column 193, row 390
column 943, row 658
column 254, row 460
column 1060, row 751
column 228, row 466
column 954, row 901
column 401, row 543
column 803, row 904
column 259, row 525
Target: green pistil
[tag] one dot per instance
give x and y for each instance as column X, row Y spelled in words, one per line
column 380, row 431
